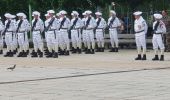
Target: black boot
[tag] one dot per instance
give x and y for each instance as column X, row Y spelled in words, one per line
column 7, row 54
column 139, row 57
column 1, row 51
column 24, row 54
column 78, row 50
column 116, row 49
column 55, row 55
column 155, row 58
column 92, row 51
column 85, row 49
column 27, row 52
column 20, row 54
column 74, row 50
column 11, row 54
column 88, row 51
column 112, row 50
column 61, row 52
column 162, row 58
column 98, row 50
column 144, row 57
column 67, row 53
column 33, row 51
column 50, row 54
column 40, row 54
column 34, row 54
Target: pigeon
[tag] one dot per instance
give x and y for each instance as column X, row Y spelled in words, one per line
column 11, row 68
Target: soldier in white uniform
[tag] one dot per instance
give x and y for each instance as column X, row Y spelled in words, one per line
column 101, row 25
column 84, row 32
column 113, row 24
column 1, row 36
column 21, row 32
column 159, row 29
column 37, row 28
column 140, row 28
column 51, row 25
column 64, row 39
column 26, row 33
column 10, row 28
column 76, row 25
column 89, row 26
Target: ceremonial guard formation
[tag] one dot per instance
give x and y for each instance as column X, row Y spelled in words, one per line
column 76, row 35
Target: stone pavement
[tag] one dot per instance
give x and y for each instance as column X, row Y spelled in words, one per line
column 55, row 85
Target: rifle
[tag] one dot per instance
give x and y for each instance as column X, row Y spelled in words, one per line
column 62, row 23
column 34, row 24
column 19, row 25
column 50, row 23
column 111, row 22
column 7, row 26
column 87, row 23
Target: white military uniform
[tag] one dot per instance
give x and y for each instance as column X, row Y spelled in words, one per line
column 63, row 36
column 26, row 33
column 89, row 31
column 84, row 32
column 9, row 34
column 1, row 37
column 75, row 32
column 51, row 35
column 21, row 34
column 140, row 28
column 159, row 29
column 113, row 30
column 36, row 34
column 100, row 31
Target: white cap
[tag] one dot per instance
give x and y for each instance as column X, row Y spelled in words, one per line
column 98, row 13
column 113, row 12
column 63, row 12
column 51, row 11
column 74, row 13
column 137, row 13
column 35, row 13
column 46, row 15
column 13, row 16
column 157, row 16
column 20, row 14
column 58, row 14
column 25, row 16
column 84, row 14
column 7, row 15
column 88, row 12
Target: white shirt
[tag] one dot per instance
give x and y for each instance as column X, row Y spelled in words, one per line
column 39, row 25
column 140, row 25
column 161, row 27
column 66, row 22
column 78, row 24
column 92, row 23
column 55, row 25
column 1, row 26
column 12, row 25
column 23, row 27
column 102, row 23
column 116, row 23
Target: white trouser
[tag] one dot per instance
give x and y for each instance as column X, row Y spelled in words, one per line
column 15, row 43
column 26, row 41
column 52, row 41
column 113, row 37
column 158, row 43
column 21, row 41
column 90, row 39
column 64, row 40
column 141, row 43
column 84, row 38
column 100, row 38
column 75, row 38
column 37, row 41
column 1, row 42
column 9, row 40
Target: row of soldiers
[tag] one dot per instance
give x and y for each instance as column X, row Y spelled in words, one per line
column 57, row 28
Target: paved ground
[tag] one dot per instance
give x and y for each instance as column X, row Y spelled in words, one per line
column 103, row 76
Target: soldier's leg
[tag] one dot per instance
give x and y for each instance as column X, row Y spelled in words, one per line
column 111, row 33
column 155, row 47
column 73, row 39
column 116, row 41
column 161, row 46
column 143, row 43
column 1, row 45
column 138, row 45
column 92, row 41
column 97, row 35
